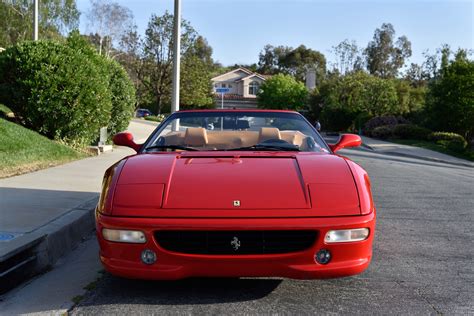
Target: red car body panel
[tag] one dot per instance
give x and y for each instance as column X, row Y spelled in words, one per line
column 195, row 190
column 348, row 258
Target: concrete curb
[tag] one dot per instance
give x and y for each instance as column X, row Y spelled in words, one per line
column 36, row 252
column 424, row 158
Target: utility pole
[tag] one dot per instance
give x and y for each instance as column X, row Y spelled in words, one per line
column 176, row 58
column 35, row 21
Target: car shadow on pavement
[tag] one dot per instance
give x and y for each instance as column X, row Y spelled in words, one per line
column 193, row 291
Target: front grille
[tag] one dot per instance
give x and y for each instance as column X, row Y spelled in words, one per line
column 236, row 242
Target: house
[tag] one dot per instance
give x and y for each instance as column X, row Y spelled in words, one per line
column 243, row 86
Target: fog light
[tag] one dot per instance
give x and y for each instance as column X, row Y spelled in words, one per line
column 323, row 256
column 346, row 235
column 148, row 256
column 129, row 236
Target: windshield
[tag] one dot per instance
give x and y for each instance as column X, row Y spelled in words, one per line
column 229, row 130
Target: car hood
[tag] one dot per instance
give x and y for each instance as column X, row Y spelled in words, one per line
column 240, row 184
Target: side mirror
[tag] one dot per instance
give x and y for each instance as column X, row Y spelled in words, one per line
column 126, row 139
column 346, row 140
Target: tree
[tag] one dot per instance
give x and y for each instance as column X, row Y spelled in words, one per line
column 348, row 57
column 345, row 100
column 109, row 22
column 299, row 60
column 195, row 87
column 196, row 70
column 267, row 62
column 415, row 75
column 384, row 57
column 56, row 17
column 411, row 98
column 450, row 101
column 282, row 92
column 295, row 62
column 271, row 59
column 156, row 60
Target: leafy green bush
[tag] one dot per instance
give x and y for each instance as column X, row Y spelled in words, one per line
column 451, row 141
column 383, row 132
column 123, row 98
column 121, row 88
column 410, row 131
column 56, row 90
column 282, row 92
column 377, row 121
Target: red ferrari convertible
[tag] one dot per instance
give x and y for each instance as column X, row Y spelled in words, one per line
column 230, row 193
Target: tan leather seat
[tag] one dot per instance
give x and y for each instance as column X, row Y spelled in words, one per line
column 267, row 133
column 195, row 136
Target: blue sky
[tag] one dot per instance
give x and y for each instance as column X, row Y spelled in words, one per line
column 238, row 29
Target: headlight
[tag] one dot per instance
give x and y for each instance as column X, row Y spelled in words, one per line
column 129, row 236
column 346, row 235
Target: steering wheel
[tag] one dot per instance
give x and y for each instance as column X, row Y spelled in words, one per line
column 160, row 141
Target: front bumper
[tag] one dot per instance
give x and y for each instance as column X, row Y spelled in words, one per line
column 123, row 259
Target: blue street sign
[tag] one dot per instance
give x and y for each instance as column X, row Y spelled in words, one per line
column 222, row 90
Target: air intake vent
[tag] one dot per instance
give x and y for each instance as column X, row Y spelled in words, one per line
column 236, row 242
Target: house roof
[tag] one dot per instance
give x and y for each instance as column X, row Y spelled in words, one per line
column 232, row 71
column 249, row 73
column 251, row 76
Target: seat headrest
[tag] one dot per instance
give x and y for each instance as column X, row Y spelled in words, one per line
column 268, row 133
column 195, row 136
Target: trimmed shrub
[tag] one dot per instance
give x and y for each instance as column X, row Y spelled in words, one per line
column 123, row 98
column 383, row 132
column 122, row 91
column 451, row 141
column 410, row 131
column 383, row 121
column 56, row 90
column 282, row 92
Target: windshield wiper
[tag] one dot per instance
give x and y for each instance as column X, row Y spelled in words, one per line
column 171, row 147
column 266, row 147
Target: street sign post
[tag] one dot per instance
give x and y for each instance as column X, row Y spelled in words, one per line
column 222, row 91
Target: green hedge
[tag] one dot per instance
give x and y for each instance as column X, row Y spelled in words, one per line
column 402, row 131
column 123, row 98
column 56, row 90
column 410, row 131
column 65, row 91
column 383, row 132
column 451, row 141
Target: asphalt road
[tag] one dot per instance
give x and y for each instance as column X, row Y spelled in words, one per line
column 422, row 264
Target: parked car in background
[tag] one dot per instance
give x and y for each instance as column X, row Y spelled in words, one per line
column 143, row 113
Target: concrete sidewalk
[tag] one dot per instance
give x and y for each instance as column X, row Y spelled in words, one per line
column 44, row 214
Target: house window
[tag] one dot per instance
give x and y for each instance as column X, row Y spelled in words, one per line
column 230, row 86
column 253, row 87
column 223, row 85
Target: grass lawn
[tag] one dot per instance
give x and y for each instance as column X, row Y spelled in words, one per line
column 4, row 110
column 23, row 150
column 468, row 154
